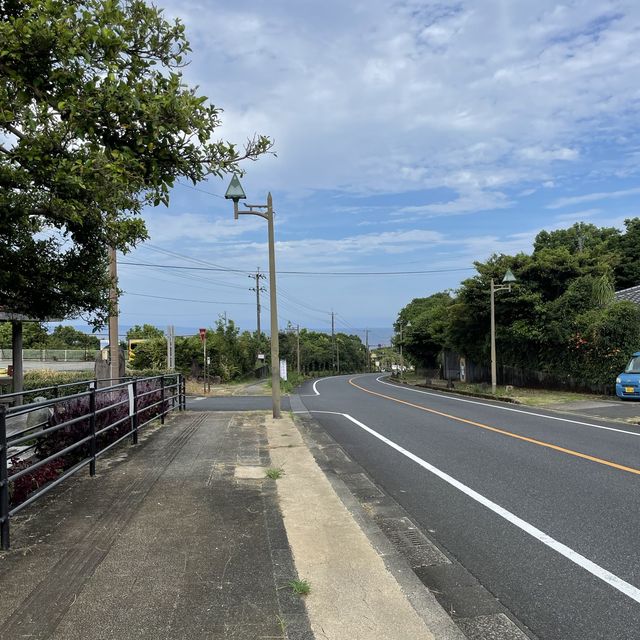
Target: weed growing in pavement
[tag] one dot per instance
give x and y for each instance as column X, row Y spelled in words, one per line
column 274, row 473
column 299, row 587
column 282, row 623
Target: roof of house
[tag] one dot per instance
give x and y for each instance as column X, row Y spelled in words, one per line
column 632, row 294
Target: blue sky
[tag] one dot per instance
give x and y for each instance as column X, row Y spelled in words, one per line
column 410, row 136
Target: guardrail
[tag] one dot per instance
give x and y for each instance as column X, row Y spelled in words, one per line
column 44, row 443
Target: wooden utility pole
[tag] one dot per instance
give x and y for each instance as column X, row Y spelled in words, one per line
column 114, row 346
column 18, row 367
column 333, row 342
column 367, row 364
column 258, row 276
column 298, row 347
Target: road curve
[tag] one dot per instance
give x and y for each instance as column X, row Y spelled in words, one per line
column 542, row 508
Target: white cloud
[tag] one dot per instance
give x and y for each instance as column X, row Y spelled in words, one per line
column 387, row 96
column 169, row 228
column 577, row 216
column 468, row 203
column 593, row 197
column 546, row 155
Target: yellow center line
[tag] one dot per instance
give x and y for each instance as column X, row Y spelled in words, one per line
column 540, row 443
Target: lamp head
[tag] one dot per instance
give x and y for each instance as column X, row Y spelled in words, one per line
column 509, row 277
column 235, row 192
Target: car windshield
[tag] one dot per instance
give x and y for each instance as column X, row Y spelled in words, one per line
column 634, row 365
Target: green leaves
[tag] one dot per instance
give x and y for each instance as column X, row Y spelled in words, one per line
column 560, row 317
column 102, row 124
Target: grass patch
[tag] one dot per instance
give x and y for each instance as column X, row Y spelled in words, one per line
column 526, row 396
column 275, row 473
column 299, row 587
column 294, row 380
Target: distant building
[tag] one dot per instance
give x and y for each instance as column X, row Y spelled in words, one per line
column 632, row 294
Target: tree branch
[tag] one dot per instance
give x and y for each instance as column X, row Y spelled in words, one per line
column 16, row 132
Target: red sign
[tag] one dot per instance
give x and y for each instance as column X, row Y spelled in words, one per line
column 203, row 334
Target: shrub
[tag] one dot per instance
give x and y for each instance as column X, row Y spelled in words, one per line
column 116, row 407
column 23, row 487
column 38, row 378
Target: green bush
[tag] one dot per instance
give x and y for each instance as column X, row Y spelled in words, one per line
column 38, row 378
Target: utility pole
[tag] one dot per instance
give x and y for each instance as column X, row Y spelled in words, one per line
column 258, row 276
column 171, row 347
column 333, row 342
column 114, row 346
column 298, row 347
column 338, row 353
column 367, row 364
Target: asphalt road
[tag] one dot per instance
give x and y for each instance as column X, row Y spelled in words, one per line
column 542, row 508
column 234, row 403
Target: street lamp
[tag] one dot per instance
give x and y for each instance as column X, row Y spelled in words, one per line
column 406, row 326
column 508, row 279
column 236, row 193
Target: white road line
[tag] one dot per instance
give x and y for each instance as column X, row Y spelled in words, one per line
column 315, row 389
column 596, row 570
column 528, row 413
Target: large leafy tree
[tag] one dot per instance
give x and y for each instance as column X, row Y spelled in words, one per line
column 628, row 267
column 146, row 332
column 428, row 332
column 96, row 123
column 63, row 337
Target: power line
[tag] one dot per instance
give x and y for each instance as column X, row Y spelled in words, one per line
column 209, row 193
column 307, row 273
column 147, row 295
column 193, row 278
column 175, row 266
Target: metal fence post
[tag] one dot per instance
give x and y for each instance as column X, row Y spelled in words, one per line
column 183, row 392
column 162, row 400
column 134, row 417
column 92, row 426
column 4, row 481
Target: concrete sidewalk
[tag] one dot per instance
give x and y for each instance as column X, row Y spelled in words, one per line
column 183, row 536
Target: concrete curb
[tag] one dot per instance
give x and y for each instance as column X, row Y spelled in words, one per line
column 460, row 392
column 421, row 599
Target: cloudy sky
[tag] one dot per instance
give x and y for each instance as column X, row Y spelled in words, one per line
column 410, row 136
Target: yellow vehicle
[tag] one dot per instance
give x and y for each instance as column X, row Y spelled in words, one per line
column 133, row 344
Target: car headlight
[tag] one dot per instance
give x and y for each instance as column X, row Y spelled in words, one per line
column 618, row 381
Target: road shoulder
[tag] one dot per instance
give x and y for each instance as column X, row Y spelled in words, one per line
column 410, row 556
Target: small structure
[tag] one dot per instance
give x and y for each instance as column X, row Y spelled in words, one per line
column 632, row 294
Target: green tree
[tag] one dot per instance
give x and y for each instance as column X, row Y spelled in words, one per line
column 151, row 354
column 428, row 334
column 96, row 123
column 627, row 271
column 69, row 337
column 146, row 332
column 34, row 335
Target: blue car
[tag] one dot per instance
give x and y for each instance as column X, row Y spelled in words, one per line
column 628, row 383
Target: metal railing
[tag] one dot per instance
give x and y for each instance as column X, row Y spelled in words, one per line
column 44, row 443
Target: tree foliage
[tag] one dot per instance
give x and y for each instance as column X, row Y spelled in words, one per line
column 560, row 317
column 36, row 336
column 96, row 123
column 146, row 332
